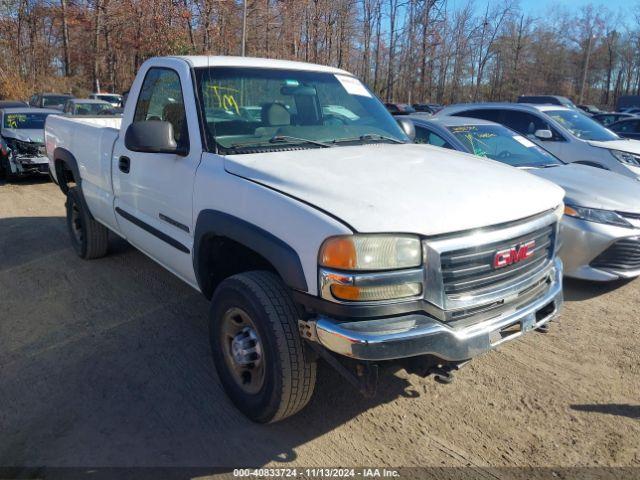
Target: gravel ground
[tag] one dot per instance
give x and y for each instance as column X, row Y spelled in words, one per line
column 106, row 363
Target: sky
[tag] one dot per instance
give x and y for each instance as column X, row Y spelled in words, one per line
column 539, row 6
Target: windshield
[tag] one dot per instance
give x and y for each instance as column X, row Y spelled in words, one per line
column 90, row 108
column 405, row 108
column 249, row 109
column 52, row 101
column 498, row 143
column 109, row 98
column 27, row 121
column 582, row 126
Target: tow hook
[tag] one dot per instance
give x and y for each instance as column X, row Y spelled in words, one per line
column 443, row 375
column 543, row 328
column 442, row 372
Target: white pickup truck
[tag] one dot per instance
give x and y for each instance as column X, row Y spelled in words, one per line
column 286, row 194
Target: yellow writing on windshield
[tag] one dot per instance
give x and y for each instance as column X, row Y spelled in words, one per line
column 14, row 119
column 224, row 98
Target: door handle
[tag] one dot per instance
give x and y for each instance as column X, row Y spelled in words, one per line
column 124, row 164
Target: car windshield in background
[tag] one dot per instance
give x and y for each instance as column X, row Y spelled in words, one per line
column 110, row 98
column 582, row 126
column 498, row 143
column 261, row 109
column 90, row 108
column 53, row 101
column 27, row 121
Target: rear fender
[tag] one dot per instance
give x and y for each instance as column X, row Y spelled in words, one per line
column 64, row 159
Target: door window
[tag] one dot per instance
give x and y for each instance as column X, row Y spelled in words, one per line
column 424, row 135
column 526, row 124
column 490, row 114
column 628, row 126
column 161, row 99
column 523, row 122
column 607, row 120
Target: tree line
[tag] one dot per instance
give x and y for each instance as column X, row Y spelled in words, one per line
column 404, row 50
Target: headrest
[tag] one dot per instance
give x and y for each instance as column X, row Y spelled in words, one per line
column 275, row 115
column 173, row 112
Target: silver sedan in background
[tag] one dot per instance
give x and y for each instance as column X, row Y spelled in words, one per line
column 600, row 231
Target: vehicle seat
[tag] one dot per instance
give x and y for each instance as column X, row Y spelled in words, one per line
column 273, row 116
column 174, row 114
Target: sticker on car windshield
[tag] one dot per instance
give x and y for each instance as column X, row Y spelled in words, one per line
column 527, row 143
column 464, row 128
column 353, row 86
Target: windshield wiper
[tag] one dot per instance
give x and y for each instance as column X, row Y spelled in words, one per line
column 369, row 136
column 538, row 165
column 288, row 138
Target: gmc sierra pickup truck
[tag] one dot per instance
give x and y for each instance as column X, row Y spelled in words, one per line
column 289, row 196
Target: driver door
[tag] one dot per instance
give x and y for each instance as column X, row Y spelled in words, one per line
column 154, row 191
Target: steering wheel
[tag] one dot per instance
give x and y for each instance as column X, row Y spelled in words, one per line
column 504, row 154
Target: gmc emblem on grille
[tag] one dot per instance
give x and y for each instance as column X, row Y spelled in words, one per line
column 515, row 254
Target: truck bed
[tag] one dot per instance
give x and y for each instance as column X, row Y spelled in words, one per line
column 89, row 140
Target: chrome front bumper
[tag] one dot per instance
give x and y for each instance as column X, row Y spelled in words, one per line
column 419, row 334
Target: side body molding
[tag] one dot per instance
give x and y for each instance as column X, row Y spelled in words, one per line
column 280, row 254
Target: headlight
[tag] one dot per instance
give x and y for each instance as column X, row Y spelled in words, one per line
column 370, row 268
column 626, row 157
column 371, row 252
column 596, row 215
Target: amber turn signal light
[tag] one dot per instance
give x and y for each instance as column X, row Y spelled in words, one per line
column 339, row 252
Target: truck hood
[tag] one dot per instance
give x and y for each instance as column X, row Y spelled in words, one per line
column 594, row 187
column 26, row 135
column 624, row 145
column 401, row 188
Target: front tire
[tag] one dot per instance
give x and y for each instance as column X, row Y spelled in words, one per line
column 89, row 238
column 5, row 170
column 257, row 350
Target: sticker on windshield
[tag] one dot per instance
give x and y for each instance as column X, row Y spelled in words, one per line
column 353, row 86
column 524, row 141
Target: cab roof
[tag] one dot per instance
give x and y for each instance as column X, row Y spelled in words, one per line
column 198, row 61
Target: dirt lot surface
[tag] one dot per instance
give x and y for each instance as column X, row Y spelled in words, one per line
column 107, row 363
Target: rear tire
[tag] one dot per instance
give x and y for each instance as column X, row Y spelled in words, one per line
column 89, row 238
column 257, row 350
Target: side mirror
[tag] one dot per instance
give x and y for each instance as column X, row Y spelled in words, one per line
column 544, row 134
column 152, row 136
column 407, row 127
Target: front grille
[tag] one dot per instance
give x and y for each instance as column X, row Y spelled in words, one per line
column 27, row 148
column 622, row 255
column 472, row 270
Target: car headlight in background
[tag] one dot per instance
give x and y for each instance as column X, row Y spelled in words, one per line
column 361, row 268
column 596, row 215
column 626, row 158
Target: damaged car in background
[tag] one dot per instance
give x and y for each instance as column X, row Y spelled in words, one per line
column 22, row 150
